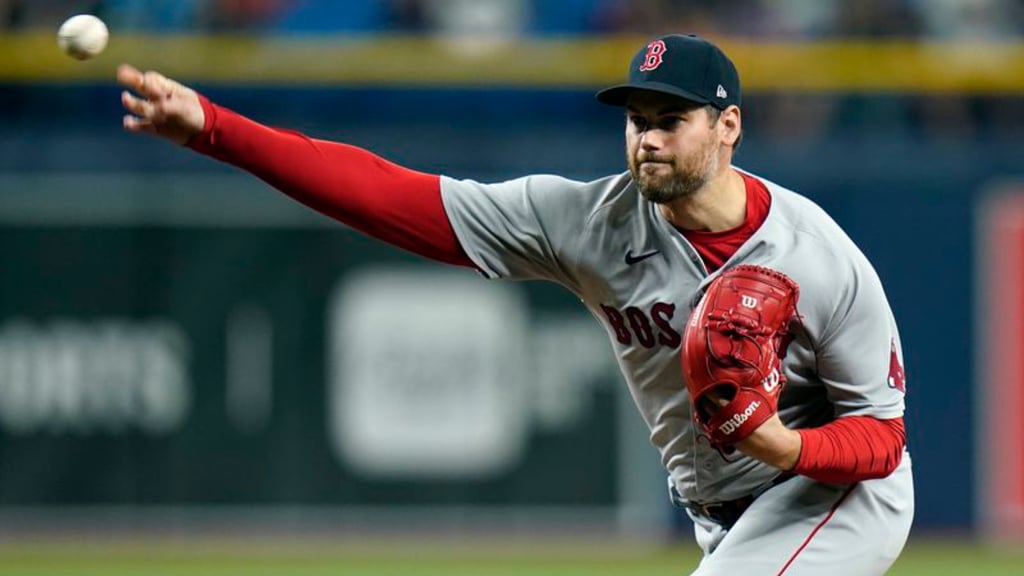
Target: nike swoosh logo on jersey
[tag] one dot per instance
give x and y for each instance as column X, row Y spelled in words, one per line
column 634, row 258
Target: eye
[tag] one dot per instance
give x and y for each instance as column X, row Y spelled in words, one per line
column 669, row 123
column 638, row 122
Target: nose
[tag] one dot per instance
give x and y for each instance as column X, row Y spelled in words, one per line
column 651, row 139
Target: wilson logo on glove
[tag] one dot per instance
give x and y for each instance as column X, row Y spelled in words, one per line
column 733, row 347
column 737, row 420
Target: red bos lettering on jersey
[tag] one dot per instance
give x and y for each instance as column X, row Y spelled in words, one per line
column 654, row 57
column 897, row 378
column 648, row 328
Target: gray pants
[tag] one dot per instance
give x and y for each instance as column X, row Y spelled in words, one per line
column 806, row 528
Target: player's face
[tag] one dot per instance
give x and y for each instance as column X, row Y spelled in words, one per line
column 672, row 145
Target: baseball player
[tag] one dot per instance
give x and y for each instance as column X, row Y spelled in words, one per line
column 794, row 461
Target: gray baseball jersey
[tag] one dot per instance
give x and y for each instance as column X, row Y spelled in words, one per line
column 640, row 278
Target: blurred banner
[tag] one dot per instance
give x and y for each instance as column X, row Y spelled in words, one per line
column 1000, row 356
column 154, row 358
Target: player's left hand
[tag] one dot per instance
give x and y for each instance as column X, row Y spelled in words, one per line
column 771, row 442
column 732, row 351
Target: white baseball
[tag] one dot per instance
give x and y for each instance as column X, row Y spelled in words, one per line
column 82, row 36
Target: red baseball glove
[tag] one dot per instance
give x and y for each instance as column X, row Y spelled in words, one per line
column 732, row 350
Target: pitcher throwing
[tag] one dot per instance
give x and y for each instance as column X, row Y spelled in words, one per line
column 793, row 460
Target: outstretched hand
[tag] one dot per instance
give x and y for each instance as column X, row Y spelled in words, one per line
column 158, row 105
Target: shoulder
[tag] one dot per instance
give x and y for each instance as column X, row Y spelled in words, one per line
column 798, row 220
column 543, row 184
column 543, row 195
column 801, row 214
column 812, row 248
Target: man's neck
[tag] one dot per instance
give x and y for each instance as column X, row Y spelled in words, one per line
column 720, row 205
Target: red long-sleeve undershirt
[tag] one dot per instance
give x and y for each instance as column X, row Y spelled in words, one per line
column 394, row 204
column 403, row 207
column 851, row 449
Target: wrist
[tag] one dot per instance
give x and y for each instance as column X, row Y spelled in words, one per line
column 790, row 454
column 773, row 444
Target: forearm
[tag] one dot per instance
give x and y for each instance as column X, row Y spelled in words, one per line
column 844, row 451
column 851, row 449
column 394, row 204
column 773, row 444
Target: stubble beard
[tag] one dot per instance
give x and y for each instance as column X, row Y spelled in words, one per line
column 682, row 182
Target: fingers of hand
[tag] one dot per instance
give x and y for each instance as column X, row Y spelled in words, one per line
column 138, row 106
column 128, row 76
column 155, row 86
column 707, row 407
column 148, row 105
column 150, row 84
column 713, row 400
column 136, row 124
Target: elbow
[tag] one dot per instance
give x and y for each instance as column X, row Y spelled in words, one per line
column 891, row 463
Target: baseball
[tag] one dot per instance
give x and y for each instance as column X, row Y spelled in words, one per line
column 82, row 36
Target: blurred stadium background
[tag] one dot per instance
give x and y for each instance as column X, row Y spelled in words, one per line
column 199, row 377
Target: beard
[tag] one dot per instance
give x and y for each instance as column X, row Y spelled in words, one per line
column 680, row 180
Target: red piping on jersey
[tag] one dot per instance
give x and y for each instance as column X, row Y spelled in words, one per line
column 394, row 204
column 816, row 529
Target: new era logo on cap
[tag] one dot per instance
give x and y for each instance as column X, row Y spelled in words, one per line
column 686, row 66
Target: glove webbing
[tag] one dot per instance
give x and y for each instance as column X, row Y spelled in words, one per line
column 729, row 322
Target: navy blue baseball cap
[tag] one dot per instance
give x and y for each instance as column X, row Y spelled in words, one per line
column 686, row 66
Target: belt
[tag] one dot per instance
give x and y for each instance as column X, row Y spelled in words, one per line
column 724, row 513
column 727, row 512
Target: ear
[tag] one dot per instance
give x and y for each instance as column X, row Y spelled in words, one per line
column 732, row 124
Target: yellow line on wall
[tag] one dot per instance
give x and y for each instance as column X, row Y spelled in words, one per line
column 407, row 61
